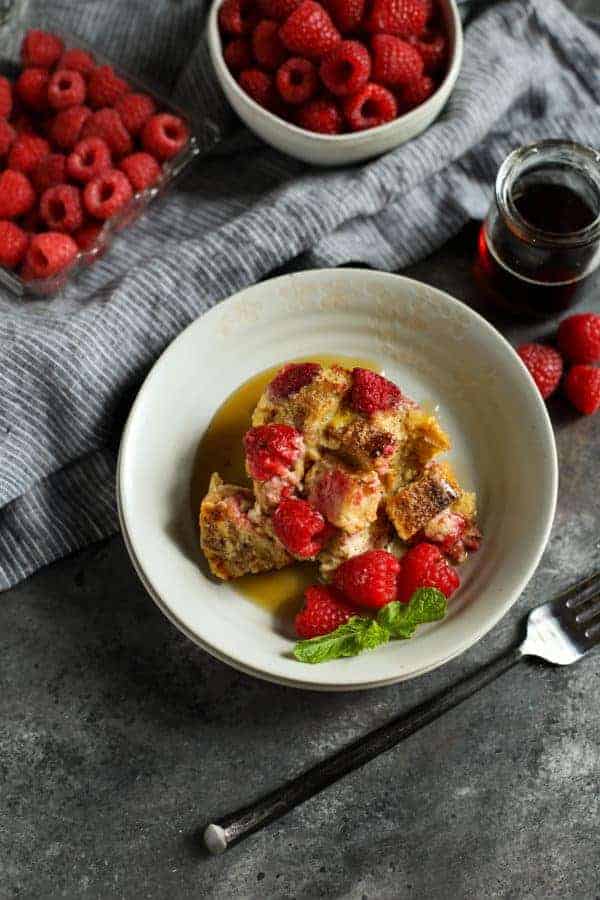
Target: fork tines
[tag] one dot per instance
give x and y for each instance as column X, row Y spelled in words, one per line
column 578, row 609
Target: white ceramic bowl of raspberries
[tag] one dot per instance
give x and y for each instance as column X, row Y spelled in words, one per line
column 338, row 82
column 83, row 149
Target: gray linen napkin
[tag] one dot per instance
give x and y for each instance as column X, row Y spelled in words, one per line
column 69, row 367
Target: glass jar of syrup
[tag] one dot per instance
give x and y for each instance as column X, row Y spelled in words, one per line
column 541, row 238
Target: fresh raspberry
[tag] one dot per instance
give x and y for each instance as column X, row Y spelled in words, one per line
column 579, row 337
column 32, row 89
column 141, row 169
column 582, row 386
column 324, row 610
column 87, row 235
column 544, row 364
column 7, row 136
column 13, row 244
column 300, row 528
column 107, row 125
column 26, row 152
column 165, row 135
column 78, row 61
column 372, row 392
column 67, row 125
column 291, row 378
column 346, row 69
column 106, row 194
column 297, row 80
column 368, row 579
column 268, row 50
column 90, row 157
column 105, row 87
column 237, row 17
column 309, row 31
column 48, row 254
column 238, row 55
column 347, row 14
column 6, row 101
column 50, row 171
column 23, row 123
column 60, row 208
column 271, row 450
column 417, row 92
column 258, row 85
column 424, row 566
column 66, row 88
column 433, row 49
column 372, row 106
column 277, row 9
column 135, row 110
column 402, row 18
column 16, row 194
column 322, row 116
column 395, row 61
column 41, row 49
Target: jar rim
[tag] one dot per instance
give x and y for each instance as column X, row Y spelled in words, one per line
column 507, row 174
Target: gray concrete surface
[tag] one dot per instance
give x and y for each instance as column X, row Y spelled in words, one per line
column 119, row 738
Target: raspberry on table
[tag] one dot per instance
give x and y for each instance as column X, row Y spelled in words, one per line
column 31, row 88
column 579, row 337
column 372, row 392
column 308, row 31
column 26, row 152
column 141, row 169
column 582, row 387
column 164, row 135
column 106, row 124
column 105, row 87
column 297, row 80
column 13, row 244
column 237, row 17
column 49, row 171
column 60, row 208
column 321, row 115
column 238, row 55
column 346, row 69
column 402, row 18
column 272, row 450
column 544, row 364
column 424, row 566
column 87, row 235
column 135, row 110
column 268, row 50
column 78, row 61
column 347, row 14
column 66, row 88
column 368, row 579
column 66, row 127
column 372, row 106
column 17, row 196
column 89, row 158
column 416, row 92
column 395, row 62
column 324, row 610
column 300, row 528
column 48, row 254
column 41, row 49
column 6, row 99
column 106, row 194
column 433, row 49
column 277, row 9
column 7, row 136
column 291, row 378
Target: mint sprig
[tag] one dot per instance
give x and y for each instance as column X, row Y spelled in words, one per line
column 395, row 620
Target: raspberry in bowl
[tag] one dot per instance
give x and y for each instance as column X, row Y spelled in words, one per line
column 338, row 82
column 84, row 148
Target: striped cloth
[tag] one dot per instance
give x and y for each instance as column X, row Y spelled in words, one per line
column 70, row 367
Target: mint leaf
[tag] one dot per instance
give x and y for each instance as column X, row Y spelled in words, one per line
column 350, row 639
column 402, row 619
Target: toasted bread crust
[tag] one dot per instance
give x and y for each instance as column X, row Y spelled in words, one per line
column 414, row 506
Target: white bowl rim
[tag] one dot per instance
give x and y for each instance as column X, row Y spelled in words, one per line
column 460, row 647
column 356, row 137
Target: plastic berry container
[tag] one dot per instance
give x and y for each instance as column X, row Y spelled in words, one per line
column 201, row 136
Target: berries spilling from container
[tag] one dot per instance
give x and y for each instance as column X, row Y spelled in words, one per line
column 337, row 66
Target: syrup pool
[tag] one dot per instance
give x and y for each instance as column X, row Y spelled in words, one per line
column 221, row 451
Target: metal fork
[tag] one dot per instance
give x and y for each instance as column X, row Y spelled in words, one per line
column 560, row 632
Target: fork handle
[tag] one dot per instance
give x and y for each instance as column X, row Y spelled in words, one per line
column 222, row 833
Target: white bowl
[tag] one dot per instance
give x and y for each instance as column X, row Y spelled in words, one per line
column 440, row 352
column 337, row 150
